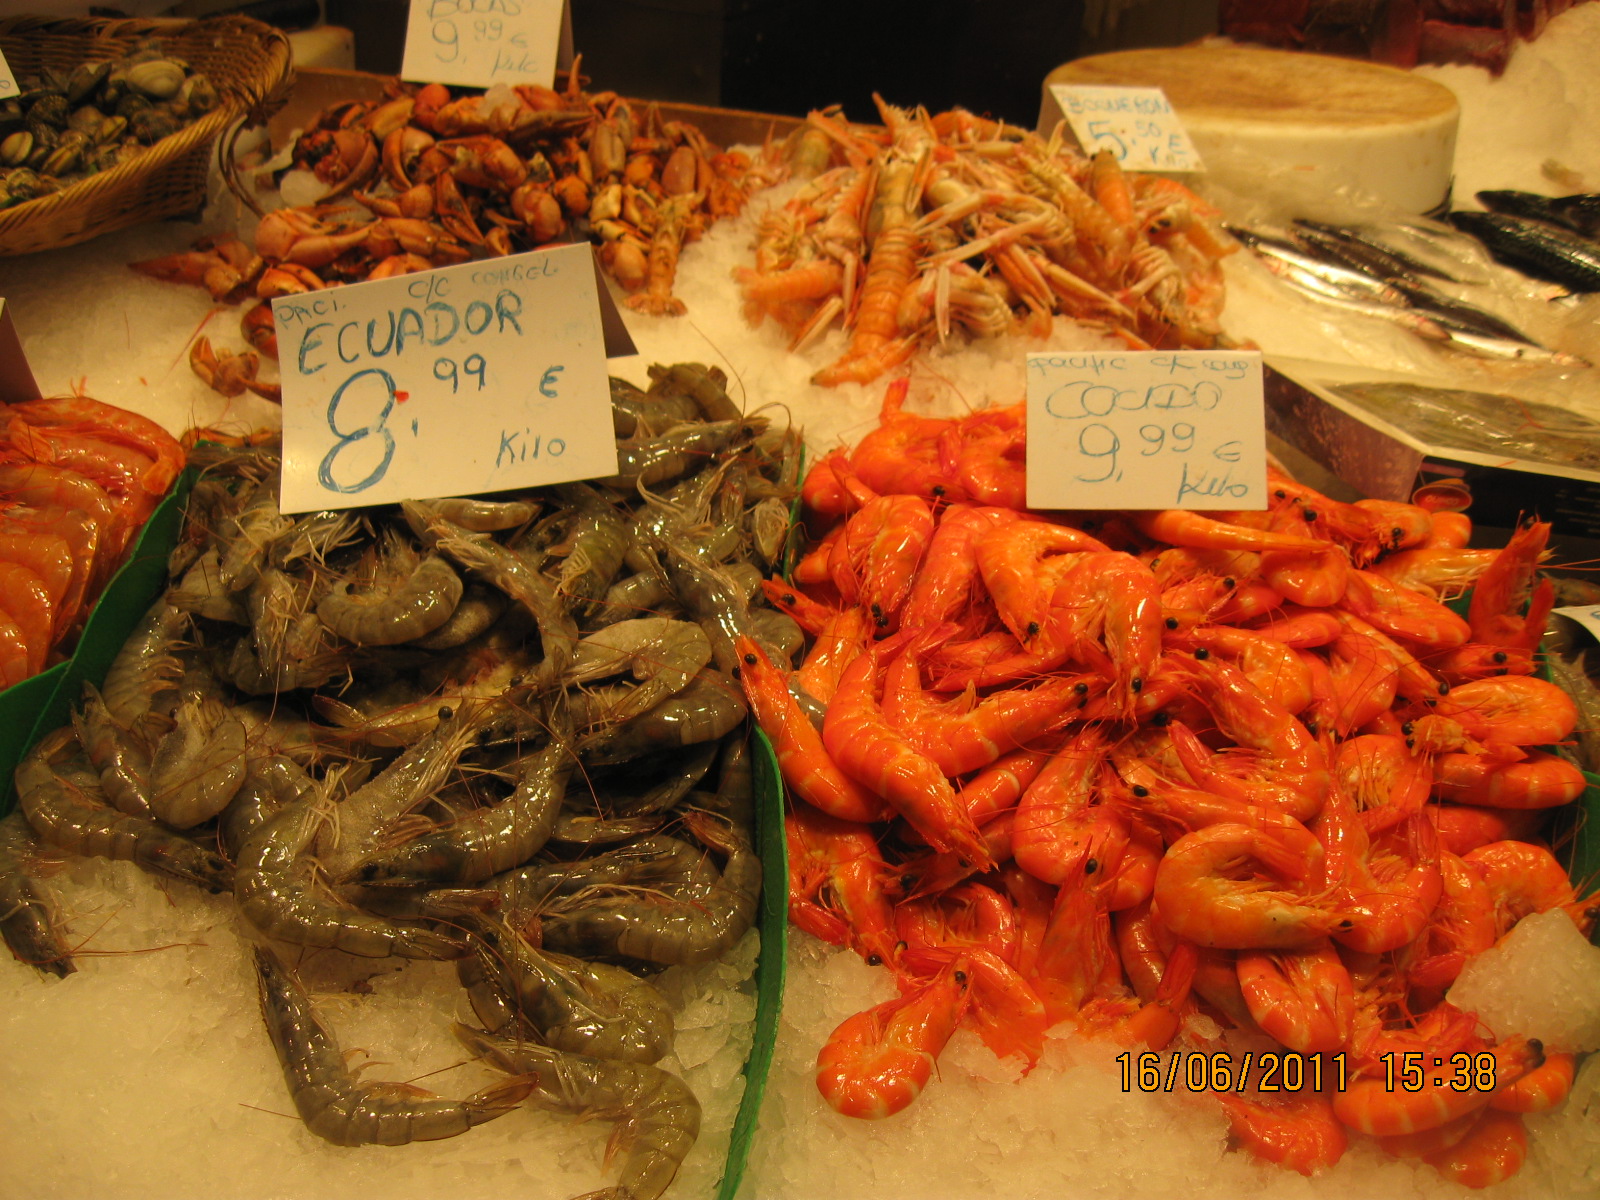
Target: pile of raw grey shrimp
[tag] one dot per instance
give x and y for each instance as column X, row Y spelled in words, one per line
column 505, row 732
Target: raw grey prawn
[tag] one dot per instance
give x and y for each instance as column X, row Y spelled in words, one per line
column 333, row 1102
column 359, row 822
column 583, row 1007
column 657, row 1116
column 489, row 840
column 66, row 808
column 688, row 924
column 664, row 655
column 275, row 886
column 29, row 921
column 410, row 597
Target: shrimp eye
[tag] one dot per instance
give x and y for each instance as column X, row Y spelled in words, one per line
column 1081, row 689
column 1411, row 743
column 874, row 961
column 1139, row 789
column 1310, row 515
column 1033, row 629
column 1498, row 656
column 938, row 490
column 1202, row 654
column 1090, row 867
column 1161, row 719
column 1444, row 689
column 1172, row 622
column 1230, row 582
column 1281, row 494
column 1136, row 686
column 1311, row 728
column 446, row 712
column 961, row 977
column 790, row 598
column 1398, row 534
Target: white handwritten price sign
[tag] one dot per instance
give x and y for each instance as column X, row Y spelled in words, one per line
column 479, row 43
column 1585, row 615
column 1146, row 429
column 1136, row 124
column 469, row 379
column 8, row 81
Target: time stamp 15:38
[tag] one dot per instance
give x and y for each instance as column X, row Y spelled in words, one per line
column 1290, row 1071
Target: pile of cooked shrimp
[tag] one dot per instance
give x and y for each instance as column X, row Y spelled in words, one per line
column 504, row 732
column 78, row 478
column 935, row 224
column 1124, row 770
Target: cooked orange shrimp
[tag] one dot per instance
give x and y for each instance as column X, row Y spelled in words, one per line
column 1507, row 588
column 1267, row 663
column 113, row 424
column 1541, row 1089
column 1297, row 1130
column 1386, row 782
column 949, row 575
column 802, row 758
column 1539, row 781
column 965, row 733
column 1001, row 784
column 1017, row 558
column 1491, row 1152
column 1401, row 525
column 874, row 561
column 1059, row 825
column 1304, row 998
column 1275, row 762
column 1440, row 572
column 1231, row 886
column 1523, row 879
column 1385, row 887
column 863, row 743
column 837, row 884
column 1179, row 527
column 1373, row 1106
column 1402, row 613
column 877, row 1062
column 1518, row 709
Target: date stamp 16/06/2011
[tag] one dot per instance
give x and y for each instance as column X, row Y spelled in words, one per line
column 1291, row 1071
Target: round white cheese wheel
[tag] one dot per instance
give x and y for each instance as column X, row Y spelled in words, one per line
column 1315, row 123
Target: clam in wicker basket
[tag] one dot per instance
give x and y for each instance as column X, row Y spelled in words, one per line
column 248, row 62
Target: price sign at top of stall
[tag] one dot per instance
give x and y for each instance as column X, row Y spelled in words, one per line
column 1146, row 429
column 8, row 81
column 1136, row 124
column 473, row 378
column 479, row 43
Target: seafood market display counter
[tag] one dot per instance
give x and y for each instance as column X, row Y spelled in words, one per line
column 1335, row 786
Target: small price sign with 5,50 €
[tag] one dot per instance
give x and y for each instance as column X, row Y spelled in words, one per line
column 473, row 378
column 1137, row 124
column 1146, row 429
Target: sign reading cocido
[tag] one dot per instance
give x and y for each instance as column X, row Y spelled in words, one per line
column 1146, row 429
column 473, row 378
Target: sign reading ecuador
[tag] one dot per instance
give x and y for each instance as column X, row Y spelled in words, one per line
column 473, row 378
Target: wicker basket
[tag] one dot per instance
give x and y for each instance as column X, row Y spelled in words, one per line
column 247, row 61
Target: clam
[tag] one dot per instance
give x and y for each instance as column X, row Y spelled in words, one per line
column 16, row 148
column 158, row 79
column 132, row 103
column 85, row 80
column 86, row 119
column 152, row 124
column 49, row 110
column 67, row 157
column 111, row 128
column 197, row 95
